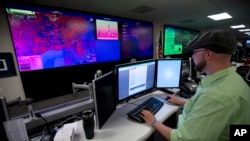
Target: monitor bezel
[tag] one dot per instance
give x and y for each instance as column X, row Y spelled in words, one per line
column 136, row 95
column 156, row 73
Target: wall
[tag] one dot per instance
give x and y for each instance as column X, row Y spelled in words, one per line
column 40, row 83
column 11, row 87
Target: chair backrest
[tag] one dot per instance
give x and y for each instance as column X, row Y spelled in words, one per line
column 244, row 71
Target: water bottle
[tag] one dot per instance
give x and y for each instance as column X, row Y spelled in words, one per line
column 88, row 123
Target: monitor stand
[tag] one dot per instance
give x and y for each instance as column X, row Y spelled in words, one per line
column 166, row 90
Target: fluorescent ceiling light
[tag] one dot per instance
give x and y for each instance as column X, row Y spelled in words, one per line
column 244, row 30
column 220, row 16
column 247, row 33
column 238, row 26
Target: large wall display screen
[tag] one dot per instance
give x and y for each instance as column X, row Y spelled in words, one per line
column 45, row 38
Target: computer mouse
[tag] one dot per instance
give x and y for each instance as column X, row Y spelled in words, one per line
column 141, row 119
column 167, row 98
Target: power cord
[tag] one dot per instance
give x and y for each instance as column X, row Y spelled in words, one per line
column 70, row 118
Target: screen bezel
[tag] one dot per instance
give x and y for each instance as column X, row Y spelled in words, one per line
column 99, row 124
column 138, row 94
column 168, row 59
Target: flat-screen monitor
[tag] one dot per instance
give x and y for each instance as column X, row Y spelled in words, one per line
column 4, row 116
column 135, row 79
column 105, row 99
column 45, row 38
column 176, row 40
column 169, row 73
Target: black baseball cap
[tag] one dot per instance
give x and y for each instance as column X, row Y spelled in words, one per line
column 218, row 41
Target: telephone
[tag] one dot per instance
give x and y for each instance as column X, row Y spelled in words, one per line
column 189, row 85
column 188, row 89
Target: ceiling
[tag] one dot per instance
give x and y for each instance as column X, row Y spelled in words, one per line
column 183, row 13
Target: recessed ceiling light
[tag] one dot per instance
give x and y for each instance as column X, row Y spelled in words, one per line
column 244, row 30
column 238, row 26
column 220, row 16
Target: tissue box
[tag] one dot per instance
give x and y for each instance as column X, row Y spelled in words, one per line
column 64, row 134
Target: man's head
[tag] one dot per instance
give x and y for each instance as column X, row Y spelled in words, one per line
column 212, row 45
column 218, row 41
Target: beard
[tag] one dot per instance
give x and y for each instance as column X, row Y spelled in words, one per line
column 200, row 66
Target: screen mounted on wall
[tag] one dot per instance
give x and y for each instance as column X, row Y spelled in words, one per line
column 137, row 39
column 176, row 39
column 45, row 38
column 106, row 30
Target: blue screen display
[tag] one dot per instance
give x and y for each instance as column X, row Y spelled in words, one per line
column 135, row 78
column 168, row 73
column 45, row 38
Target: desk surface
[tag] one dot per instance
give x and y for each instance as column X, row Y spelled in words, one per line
column 119, row 127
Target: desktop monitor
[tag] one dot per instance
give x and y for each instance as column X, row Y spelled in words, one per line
column 248, row 42
column 4, row 116
column 104, row 95
column 168, row 73
column 135, row 79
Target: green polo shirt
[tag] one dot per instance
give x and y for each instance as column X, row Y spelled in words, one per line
column 222, row 99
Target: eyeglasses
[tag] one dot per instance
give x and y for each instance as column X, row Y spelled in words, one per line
column 194, row 51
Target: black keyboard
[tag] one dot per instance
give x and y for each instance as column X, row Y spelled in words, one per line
column 152, row 104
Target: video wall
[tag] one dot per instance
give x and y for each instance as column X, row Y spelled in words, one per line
column 176, row 40
column 46, row 38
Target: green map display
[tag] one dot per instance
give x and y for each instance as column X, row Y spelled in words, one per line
column 177, row 39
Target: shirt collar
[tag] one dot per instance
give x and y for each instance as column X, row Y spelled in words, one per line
column 211, row 78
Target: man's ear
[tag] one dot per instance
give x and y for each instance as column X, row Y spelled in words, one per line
column 209, row 55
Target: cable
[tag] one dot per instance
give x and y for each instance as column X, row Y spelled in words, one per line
column 46, row 123
column 59, row 124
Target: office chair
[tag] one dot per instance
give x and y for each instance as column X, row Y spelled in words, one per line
column 244, row 72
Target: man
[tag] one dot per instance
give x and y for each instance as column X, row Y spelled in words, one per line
column 222, row 98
